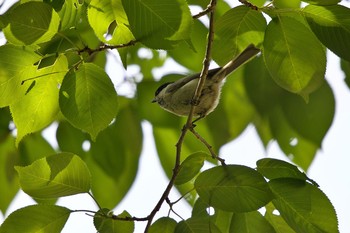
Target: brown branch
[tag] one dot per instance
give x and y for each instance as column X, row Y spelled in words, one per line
column 105, row 47
column 210, row 148
column 188, row 124
column 248, row 4
column 204, row 12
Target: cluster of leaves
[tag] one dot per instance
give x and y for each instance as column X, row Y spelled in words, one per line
column 234, row 192
column 52, row 69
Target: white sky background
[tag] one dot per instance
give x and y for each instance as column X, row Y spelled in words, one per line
column 330, row 169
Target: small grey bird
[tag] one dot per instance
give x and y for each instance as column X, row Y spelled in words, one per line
column 176, row 97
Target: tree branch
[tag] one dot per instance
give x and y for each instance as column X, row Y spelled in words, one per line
column 248, row 4
column 188, row 125
column 105, row 47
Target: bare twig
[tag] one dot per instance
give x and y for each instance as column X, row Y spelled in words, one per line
column 210, row 148
column 248, row 4
column 204, row 12
column 105, row 47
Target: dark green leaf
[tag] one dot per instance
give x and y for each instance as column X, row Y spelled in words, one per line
column 298, row 149
column 345, row 65
column 71, row 139
column 286, row 3
column 322, row 2
column 105, row 224
column 252, row 222
column 303, row 206
column 88, row 99
column 311, row 120
column 32, row 23
column 331, row 24
column 36, row 218
column 287, row 40
column 190, row 167
column 57, row 175
column 274, row 169
column 164, row 225
column 8, row 177
column 115, row 156
column 197, row 225
column 32, row 148
column 233, row 188
column 272, row 215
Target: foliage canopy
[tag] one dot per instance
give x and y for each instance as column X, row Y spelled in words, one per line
column 52, row 71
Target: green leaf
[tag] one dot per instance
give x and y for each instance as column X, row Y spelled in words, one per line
column 298, row 149
column 305, row 117
column 69, row 13
column 345, row 66
column 197, row 225
column 190, row 167
column 57, row 175
column 286, row 3
column 287, row 40
column 36, row 218
column 115, row 156
column 71, row 139
column 276, row 220
column 8, row 177
column 274, row 169
column 159, row 24
column 235, row 111
column 331, row 24
column 105, row 224
column 262, row 91
column 109, row 21
column 164, row 225
column 303, row 206
column 32, row 23
column 252, row 222
column 39, row 106
column 235, row 30
column 88, row 99
column 233, row 188
column 322, row 2
column 34, row 147
column 15, row 61
column 194, row 56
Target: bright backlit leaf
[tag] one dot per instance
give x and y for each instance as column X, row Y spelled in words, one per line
column 88, row 99
column 39, row 106
column 235, row 30
column 331, row 24
column 36, row 218
column 54, row 176
column 288, row 45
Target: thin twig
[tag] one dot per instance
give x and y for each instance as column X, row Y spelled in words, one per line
column 188, row 124
column 105, row 47
column 210, row 148
column 248, row 4
column 204, row 12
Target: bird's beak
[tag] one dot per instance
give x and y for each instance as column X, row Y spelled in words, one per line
column 154, row 100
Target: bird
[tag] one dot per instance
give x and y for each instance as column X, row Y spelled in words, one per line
column 177, row 97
